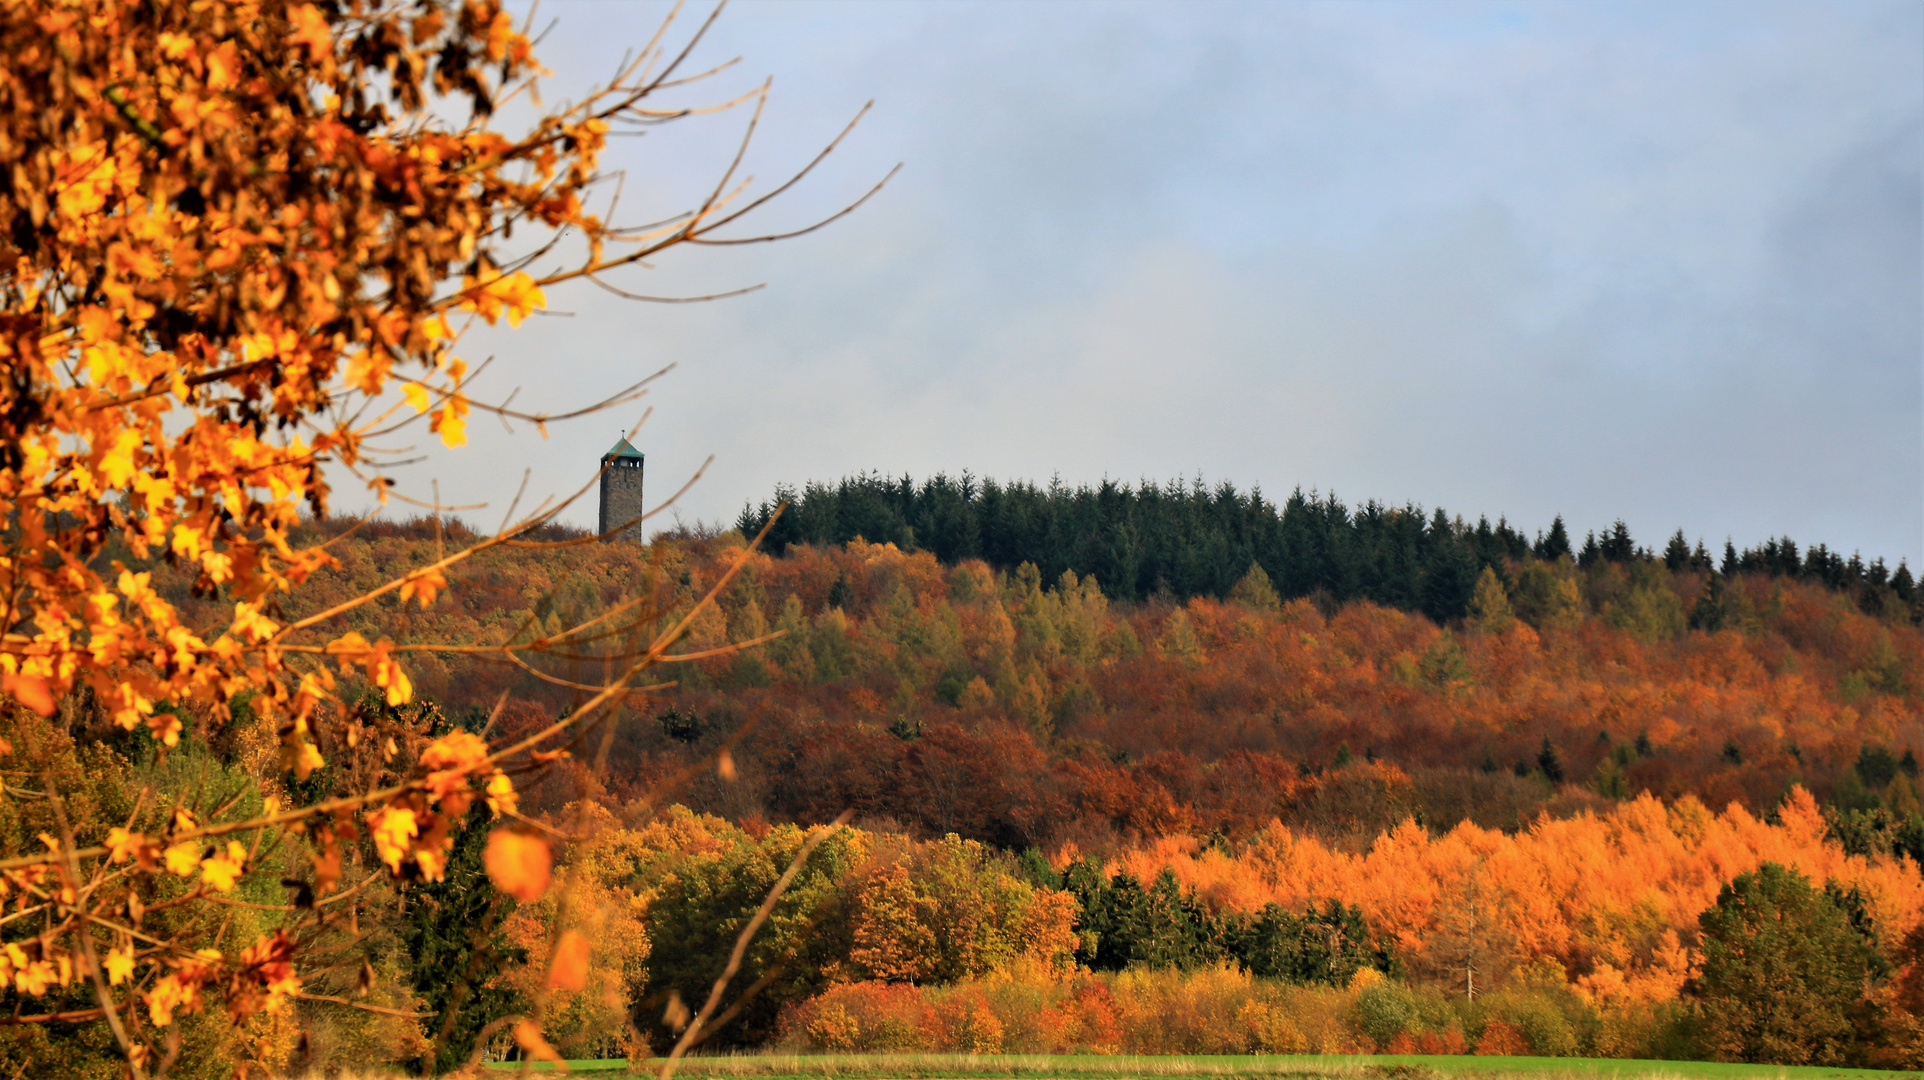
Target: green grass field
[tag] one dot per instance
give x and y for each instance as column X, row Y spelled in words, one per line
column 1096, row 1067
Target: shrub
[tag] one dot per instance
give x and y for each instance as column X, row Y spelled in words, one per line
column 1385, row 1010
column 1544, row 1027
column 865, row 1017
column 1500, row 1039
column 1326, row 1017
column 1271, row 1029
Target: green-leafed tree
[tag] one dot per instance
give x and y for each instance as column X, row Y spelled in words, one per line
column 1784, row 972
column 1490, row 605
column 1545, row 598
column 1256, row 591
column 701, row 906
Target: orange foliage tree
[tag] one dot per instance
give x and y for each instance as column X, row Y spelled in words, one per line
column 1611, row 901
column 241, row 244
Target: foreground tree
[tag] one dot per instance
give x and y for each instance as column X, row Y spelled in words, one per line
column 1784, row 971
column 239, row 244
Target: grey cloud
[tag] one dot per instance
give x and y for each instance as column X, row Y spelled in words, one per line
column 1650, row 261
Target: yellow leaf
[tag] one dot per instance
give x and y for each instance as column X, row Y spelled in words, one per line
column 123, row 844
column 451, row 421
column 351, row 647
column 183, row 857
column 249, row 622
column 424, row 585
column 223, row 67
column 33, row 978
column 417, row 396
column 394, row 834
column 169, row 994
column 117, row 465
column 501, row 795
column 384, row 672
column 514, row 294
column 453, row 429
column 166, row 727
column 119, row 964
column 449, row 759
column 519, row 864
column 221, row 870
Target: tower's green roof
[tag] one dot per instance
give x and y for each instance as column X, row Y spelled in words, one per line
column 621, row 449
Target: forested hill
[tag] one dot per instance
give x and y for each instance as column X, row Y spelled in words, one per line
column 1031, row 712
column 1193, row 540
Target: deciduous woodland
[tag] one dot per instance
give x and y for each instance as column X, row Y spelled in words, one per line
column 1028, row 712
column 1212, row 823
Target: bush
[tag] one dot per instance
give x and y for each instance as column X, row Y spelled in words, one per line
column 1652, row 1030
column 1544, row 1028
column 1222, row 1010
column 866, row 1017
column 1501, row 1040
column 1385, row 1010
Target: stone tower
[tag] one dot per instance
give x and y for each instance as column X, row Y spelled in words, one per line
column 621, row 492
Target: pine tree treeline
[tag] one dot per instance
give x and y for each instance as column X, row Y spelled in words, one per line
column 1195, row 540
column 1120, row 924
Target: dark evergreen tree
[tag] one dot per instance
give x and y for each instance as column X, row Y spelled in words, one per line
column 1591, row 554
column 1556, row 545
column 456, row 947
column 1449, row 579
column 1676, row 554
column 1329, row 946
column 1708, row 613
column 1121, row 924
column 1865, row 831
column 1550, row 762
column 1033, row 866
column 1192, row 539
column 1876, row 766
column 1617, row 546
column 1124, row 924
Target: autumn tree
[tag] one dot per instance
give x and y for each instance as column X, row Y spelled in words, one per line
column 1783, row 971
column 242, row 244
column 1490, row 604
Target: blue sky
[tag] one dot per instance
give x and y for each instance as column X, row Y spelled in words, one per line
column 1658, row 262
